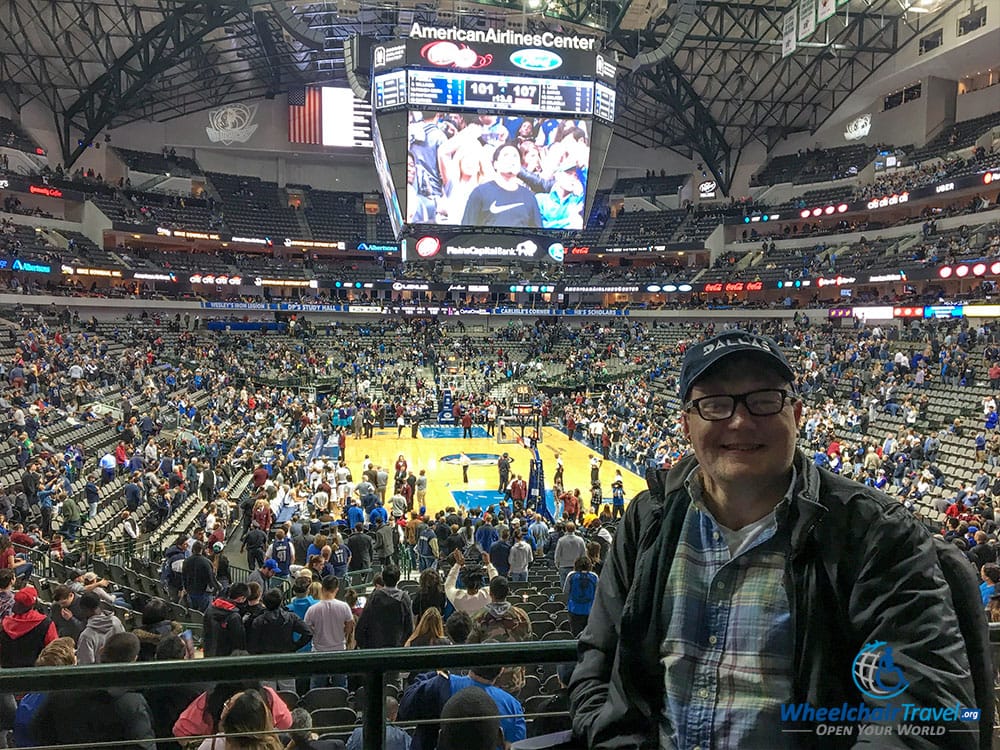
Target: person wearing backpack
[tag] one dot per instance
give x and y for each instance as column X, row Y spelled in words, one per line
column 173, row 561
column 502, row 622
column 427, row 547
column 580, row 589
column 745, row 558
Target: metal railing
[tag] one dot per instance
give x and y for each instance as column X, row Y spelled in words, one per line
column 373, row 665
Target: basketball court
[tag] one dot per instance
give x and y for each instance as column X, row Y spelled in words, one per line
column 439, row 456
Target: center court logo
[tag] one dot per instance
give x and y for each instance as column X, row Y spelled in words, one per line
column 875, row 674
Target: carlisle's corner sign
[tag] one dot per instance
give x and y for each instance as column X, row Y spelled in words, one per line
column 858, row 128
column 233, row 123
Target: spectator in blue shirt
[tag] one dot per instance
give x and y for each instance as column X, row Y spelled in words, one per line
column 500, row 553
column 355, row 515
column 562, row 206
column 378, row 515
column 990, row 574
column 486, row 535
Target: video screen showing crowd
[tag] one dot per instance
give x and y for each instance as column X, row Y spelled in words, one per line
column 496, row 171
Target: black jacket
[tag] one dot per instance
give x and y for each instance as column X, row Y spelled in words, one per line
column 362, row 550
column 255, row 539
column 94, row 716
column 859, row 569
column 223, row 629
column 387, row 619
column 271, row 632
column 198, row 575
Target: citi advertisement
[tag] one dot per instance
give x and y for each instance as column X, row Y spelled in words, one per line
column 430, row 247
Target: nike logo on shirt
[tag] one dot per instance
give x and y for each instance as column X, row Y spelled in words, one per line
column 495, row 209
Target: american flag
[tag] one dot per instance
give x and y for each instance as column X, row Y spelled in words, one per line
column 305, row 115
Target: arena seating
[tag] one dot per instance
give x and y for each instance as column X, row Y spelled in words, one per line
column 960, row 136
column 334, row 216
column 254, row 208
column 15, row 137
column 819, row 165
column 172, row 211
column 654, row 185
column 134, row 569
column 643, row 226
column 161, row 164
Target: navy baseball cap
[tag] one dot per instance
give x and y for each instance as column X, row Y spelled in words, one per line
column 701, row 357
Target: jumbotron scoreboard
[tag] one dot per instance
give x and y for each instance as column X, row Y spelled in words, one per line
column 490, row 129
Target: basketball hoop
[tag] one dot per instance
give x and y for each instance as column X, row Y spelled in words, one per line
column 521, row 425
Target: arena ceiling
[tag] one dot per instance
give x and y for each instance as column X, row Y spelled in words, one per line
column 703, row 77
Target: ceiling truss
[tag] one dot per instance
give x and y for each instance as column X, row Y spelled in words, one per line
column 97, row 64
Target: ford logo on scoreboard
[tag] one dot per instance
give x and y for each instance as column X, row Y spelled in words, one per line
column 536, row 59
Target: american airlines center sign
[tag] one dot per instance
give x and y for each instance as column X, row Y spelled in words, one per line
column 503, row 36
column 489, row 51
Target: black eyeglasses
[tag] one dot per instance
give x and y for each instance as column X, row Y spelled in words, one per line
column 763, row 403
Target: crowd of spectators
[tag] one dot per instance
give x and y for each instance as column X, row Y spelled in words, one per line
column 305, row 523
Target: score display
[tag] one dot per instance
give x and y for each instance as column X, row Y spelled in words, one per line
column 436, row 89
column 604, row 102
column 491, row 129
column 390, row 89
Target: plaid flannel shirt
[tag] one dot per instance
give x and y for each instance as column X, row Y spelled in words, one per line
column 727, row 654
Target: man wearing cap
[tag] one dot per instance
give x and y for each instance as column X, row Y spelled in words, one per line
column 747, row 579
column 26, row 632
column 224, row 631
column 265, row 573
